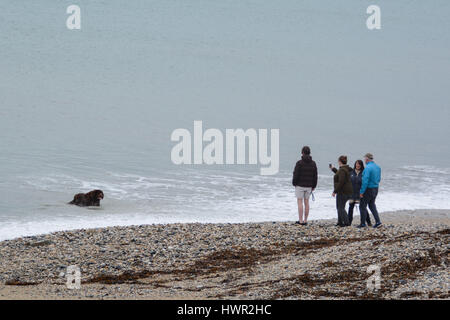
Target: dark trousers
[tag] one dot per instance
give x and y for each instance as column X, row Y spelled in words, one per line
column 369, row 200
column 350, row 213
column 341, row 200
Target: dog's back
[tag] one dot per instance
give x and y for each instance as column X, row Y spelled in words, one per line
column 91, row 198
column 78, row 199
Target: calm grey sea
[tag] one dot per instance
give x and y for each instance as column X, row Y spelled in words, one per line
column 95, row 108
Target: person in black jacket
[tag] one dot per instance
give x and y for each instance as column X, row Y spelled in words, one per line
column 356, row 177
column 305, row 181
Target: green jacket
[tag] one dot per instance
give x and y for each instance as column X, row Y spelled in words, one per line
column 342, row 182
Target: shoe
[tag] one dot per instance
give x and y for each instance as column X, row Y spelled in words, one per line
column 369, row 224
column 361, row 226
column 297, row 222
column 378, row 224
column 305, row 223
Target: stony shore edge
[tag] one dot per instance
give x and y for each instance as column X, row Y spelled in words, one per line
column 270, row 260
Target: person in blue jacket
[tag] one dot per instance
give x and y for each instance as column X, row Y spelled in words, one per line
column 369, row 190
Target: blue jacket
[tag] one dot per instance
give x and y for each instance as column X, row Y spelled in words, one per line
column 371, row 176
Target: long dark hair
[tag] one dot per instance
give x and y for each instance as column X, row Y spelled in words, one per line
column 361, row 164
column 306, row 151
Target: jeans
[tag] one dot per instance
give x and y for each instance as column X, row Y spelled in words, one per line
column 369, row 200
column 341, row 200
column 350, row 214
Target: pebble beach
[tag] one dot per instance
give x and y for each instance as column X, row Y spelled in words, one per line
column 268, row 260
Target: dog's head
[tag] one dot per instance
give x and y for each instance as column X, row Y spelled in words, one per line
column 97, row 194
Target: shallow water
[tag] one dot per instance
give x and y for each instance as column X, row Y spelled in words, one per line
column 95, row 108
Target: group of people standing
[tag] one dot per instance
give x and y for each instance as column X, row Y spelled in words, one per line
column 357, row 185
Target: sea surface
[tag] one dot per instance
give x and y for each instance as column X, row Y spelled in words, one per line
column 96, row 107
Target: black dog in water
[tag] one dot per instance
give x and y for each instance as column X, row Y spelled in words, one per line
column 91, row 198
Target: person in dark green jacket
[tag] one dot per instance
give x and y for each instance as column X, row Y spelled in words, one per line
column 343, row 190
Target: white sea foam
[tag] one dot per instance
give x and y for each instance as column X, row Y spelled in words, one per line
column 199, row 197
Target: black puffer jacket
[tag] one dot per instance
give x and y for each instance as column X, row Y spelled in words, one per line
column 305, row 173
column 356, row 183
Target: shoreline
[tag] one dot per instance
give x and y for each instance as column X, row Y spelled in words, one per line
column 433, row 214
column 266, row 260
